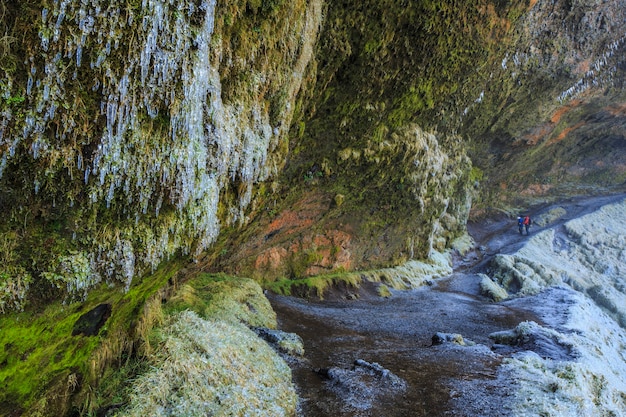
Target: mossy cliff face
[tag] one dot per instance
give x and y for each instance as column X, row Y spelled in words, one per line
column 550, row 121
column 376, row 155
column 121, row 150
column 272, row 139
column 133, row 131
column 531, row 91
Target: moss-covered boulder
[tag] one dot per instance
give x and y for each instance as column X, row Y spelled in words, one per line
column 212, row 367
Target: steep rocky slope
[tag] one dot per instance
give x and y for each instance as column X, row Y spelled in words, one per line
column 550, row 119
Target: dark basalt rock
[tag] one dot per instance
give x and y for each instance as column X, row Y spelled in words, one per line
column 363, row 385
column 442, row 338
column 90, row 323
column 287, row 343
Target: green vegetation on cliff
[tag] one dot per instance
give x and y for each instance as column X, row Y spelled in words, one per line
column 375, row 139
column 294, row 142
column 46, row 368
column 103, row 174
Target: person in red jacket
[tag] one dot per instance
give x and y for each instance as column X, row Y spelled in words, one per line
column 527, row 223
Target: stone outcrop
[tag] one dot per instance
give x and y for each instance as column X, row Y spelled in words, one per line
column 90, row 323
column 360, row 386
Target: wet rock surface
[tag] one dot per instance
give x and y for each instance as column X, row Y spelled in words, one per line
column 362, row 386
column 89, row 324
column 397, row 333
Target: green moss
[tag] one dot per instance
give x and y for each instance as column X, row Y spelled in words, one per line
column 39, row 355
column 226, row 298
column 476, row 174
column 383, row 291
column 314, row 286
column 14, row 101
column 415, row 101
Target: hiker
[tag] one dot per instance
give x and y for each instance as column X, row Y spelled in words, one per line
column 527, row 222
column 520, row 224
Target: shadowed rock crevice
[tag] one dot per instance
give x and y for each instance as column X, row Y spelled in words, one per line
column 90, row 323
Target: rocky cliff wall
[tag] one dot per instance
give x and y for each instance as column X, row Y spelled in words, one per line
column 549, row 120
column 272, row 139
column 377, row 144
column 133, row 131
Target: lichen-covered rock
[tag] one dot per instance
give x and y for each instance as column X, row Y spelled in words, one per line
column 288, row 343
column 561, row 366
column 362, row 385
column 383, row 291
column 442, row 338
column 545, row 342
column 214, row 357
column 463, row 244
column 412, row 274
column 226, row 298
column 492, row 290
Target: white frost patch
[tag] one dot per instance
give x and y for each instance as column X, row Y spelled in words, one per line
column 213, row 368
column 588, row 255
column 413, row 274
column 590, row 383
column 574, row 278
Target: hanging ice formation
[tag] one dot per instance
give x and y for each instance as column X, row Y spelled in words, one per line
column 167, row 137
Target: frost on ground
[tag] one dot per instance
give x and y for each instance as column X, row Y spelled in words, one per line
column 573, row 365
column 588, row 254
column 574, row 278
column 210, row 360
column 213, row 368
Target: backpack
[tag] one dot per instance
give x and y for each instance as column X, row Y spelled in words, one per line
column 527, row 220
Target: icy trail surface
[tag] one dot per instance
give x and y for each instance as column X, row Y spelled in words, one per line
column 554, row 344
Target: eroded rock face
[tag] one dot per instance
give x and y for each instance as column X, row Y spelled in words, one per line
column 138, row 147
column 558, row 91
column 543, row 116
column 341, row 103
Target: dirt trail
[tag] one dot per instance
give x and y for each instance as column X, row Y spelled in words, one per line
column 396, row 333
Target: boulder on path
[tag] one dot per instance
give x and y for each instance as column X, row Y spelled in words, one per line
column 440, row 338
column 288, row 343
column 490, row 289
column 363, row 384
